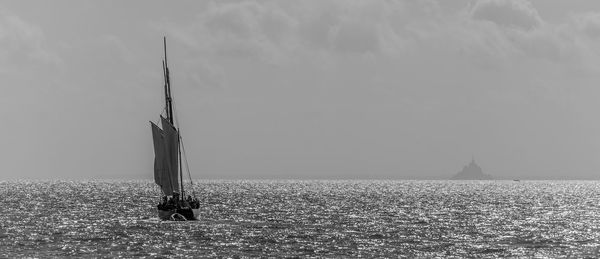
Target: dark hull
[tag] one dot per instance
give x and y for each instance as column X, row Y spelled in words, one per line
column 179, row 214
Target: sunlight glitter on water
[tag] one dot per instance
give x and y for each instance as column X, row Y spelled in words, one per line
column 305, row 218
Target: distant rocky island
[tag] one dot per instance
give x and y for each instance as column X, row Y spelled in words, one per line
column 471, row 172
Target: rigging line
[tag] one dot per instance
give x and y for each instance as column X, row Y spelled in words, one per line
column 174, row 111
column 183, row 156
column 174, row 117
column 187, row 167
column 176, row 121
column 180, row 167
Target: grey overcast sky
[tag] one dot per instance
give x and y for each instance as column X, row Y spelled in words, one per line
column 303, row 89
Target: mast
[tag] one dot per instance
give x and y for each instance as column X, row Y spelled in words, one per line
column 169, row 111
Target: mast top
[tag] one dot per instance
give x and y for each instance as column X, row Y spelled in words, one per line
column 165, row 48
column 168, row 97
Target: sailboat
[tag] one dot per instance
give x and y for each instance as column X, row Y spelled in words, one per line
column 176, row 203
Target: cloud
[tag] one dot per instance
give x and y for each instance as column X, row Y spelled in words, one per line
column 508, row 13
column 203, row 74
column 275, row 30
column 588, row 24
column 22, row 42
column 119, row 46
column 512, row 31
column 356, row 37
column 246, row 29
column 579, row 37
column 490, row 33
column 315, row 28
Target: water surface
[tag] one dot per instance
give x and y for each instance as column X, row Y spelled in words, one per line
column 305, row 219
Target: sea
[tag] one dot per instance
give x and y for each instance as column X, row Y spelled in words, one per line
column 304, row 219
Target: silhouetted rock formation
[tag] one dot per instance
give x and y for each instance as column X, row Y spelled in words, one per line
column 471, row 172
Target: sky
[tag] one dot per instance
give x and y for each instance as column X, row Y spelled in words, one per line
column 405, row 89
